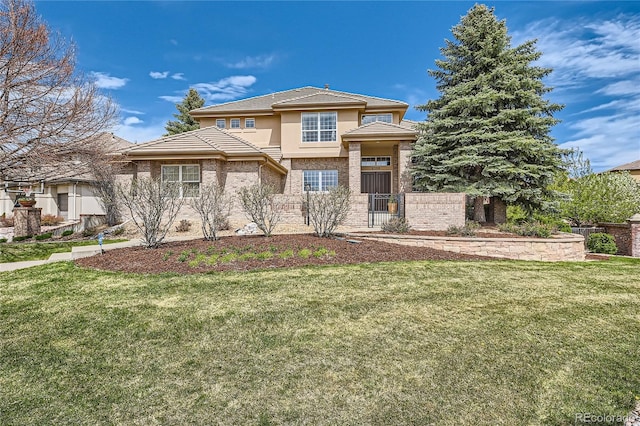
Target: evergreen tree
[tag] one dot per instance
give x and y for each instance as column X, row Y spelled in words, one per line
column 185, row 122
column 488, row 133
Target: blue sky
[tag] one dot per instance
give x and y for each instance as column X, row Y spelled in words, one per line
column 146, row 55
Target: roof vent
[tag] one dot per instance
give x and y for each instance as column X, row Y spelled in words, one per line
column 326, row 87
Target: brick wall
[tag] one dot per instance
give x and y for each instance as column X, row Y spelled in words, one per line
column 434, row 211
column 294, row 178
column 622, row 233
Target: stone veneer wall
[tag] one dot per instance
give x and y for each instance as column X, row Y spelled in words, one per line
column 294, row 178
column 26, row 221
column 559, row 248
column 434, row 211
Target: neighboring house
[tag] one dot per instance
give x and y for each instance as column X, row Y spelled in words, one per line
column 633, row 168
column 306, row 139
column 69, row 194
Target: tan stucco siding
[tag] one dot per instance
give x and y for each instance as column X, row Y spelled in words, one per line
column 266, row 132
column 293, row 147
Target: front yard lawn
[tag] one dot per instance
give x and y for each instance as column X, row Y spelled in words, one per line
column 431, row 342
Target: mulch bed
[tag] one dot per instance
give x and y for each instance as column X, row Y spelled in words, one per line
column 165, row 258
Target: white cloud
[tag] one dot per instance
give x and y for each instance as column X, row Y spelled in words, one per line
column 105, row 81
column 595, row 70
column 172, row 99
column 260, row 61
column 178, row 76
column 129, row 121
column 139, row 134
column 156, row 75
column 226, row 89
column 132, row 111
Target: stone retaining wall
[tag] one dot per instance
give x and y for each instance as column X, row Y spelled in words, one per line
column 561, row 247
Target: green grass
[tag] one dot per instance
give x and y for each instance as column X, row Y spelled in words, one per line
column 445, row 343
column 40, row 251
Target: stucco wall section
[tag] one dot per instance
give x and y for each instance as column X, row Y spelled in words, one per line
column 563, row 247
column 434, row 211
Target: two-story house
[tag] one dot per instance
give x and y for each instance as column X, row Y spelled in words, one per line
column 305, row 139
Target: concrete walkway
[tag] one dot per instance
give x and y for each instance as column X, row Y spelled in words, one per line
column 75, row 253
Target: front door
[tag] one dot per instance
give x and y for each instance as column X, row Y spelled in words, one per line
column 375, row 183
column 63, row 205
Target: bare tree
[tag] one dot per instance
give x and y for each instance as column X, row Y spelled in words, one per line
column 259, row 204
column 328, row 209
column 49, row 113
column 153, row 205
column 214, row 208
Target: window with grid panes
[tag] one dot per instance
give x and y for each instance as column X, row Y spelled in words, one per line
column 220, row 122
column 319, row 180
column 235, row 123
column 188, row 175
column 319, row 126
column 370, row 118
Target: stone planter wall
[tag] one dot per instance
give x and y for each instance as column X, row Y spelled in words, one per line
column 561, row 247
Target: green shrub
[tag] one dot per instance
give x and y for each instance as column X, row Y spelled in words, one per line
column 45, row 236
column 67, row 233
column 563, row 227
column 528, row 229
column 396, row 225
column 304, row 253
column 3, row 240
column 25, row 237
column 600, row 242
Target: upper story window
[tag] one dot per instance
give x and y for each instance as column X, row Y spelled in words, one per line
column 235, row 123
column 249, row 123
column 386, row 117
column 188, row 175
column 319, row 126
column 220, row 122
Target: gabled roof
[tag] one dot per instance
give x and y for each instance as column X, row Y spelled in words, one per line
column 320, row 98
column 634, row 165
column 379, row 129
column 265, row 103
column 208, row 142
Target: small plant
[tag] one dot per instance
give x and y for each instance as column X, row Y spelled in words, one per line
column 167, row 255
column 3, row 240
column 528, row 229
column 45, row 236
column 67, row 233
column 200, row 258
column 264, row 255
column 304, row 253
column 247, row 256
column 22, row 238
column 600, row 242
column 183, row 226
column 183, row 256
column 396, row 225
column 5, row 221
column 322, row 252
column 229, row 257
column 51, row 220
column 118, row 231
column 213, row 259
column 287, row 254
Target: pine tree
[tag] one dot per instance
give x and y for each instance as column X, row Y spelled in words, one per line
column 488, row 133
column 185, row 122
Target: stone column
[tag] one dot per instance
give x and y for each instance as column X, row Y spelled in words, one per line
column 404, row 165
column 355, row 161
column 634, row 229
column 26, row 221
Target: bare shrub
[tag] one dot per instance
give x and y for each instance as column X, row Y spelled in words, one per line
column 50, row 220
column 214, row 208
column 328, row 209
column 153, row 205
column 259, row 204
column 183, row 226
column 396, row 225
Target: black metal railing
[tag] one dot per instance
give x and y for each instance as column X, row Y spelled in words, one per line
column 383, row 207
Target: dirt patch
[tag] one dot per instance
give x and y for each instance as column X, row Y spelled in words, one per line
column 258, row 252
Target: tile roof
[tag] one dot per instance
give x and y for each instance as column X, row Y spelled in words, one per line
column 379, row 128
column 634, row 165
column 320, row 98
column 266, row 102
column 206, row 140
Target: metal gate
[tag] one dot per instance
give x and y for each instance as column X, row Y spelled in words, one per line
column 383, row 207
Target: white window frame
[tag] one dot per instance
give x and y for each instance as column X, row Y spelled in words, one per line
column 377, row 117
column 221, row 121
column 249, row 120
column 232, row 121
column 379, row 161
column 319, row 131
column 180, row 177
column 323, row 186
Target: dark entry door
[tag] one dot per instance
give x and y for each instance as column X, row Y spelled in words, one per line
column 375, row 183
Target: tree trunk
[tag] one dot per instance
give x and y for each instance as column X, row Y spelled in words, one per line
column 478, row 210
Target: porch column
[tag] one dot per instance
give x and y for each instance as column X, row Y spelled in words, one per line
column 404, row 165
column 354, row 167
